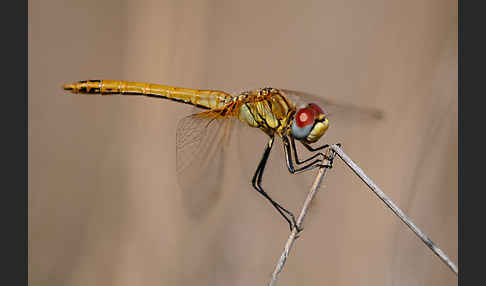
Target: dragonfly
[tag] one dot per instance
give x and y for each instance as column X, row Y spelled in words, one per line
column 293, row 116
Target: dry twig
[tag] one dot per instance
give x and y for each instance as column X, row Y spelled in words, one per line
column 294, row 234
column 389, row 203
column 315, row 186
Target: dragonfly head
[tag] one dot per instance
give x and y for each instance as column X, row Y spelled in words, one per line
column 309, row 123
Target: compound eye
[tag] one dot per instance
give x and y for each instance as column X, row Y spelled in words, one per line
column 303, row 122
column 316, row 108
column 305, row 117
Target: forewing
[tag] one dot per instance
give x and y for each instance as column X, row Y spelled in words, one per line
column 333, row 108
column 200, row 151
column 346, row 120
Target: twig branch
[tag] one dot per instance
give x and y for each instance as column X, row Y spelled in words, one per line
column 394, row 208
column 293, row 235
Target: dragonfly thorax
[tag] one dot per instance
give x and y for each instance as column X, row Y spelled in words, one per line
column 270, row 110
column 267, row 109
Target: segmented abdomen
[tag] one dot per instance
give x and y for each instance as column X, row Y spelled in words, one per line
column 208, row 99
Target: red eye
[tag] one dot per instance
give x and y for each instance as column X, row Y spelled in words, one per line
column 305, row 117
column 316, row 108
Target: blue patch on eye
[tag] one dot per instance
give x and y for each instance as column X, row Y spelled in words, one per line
column 299, row 132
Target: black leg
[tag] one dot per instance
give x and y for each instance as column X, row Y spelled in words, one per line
column 257, row 180
column 292, row 143
column 312, row 149
column 289, row 148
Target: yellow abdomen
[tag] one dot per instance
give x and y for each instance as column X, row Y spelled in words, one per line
column 208, row 99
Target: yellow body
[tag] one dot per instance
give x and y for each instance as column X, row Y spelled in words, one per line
column 268, row 109
column 208, row 99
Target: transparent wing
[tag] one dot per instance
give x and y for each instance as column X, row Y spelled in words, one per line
column 200, row 152
column 346, row 120
column 333, row 108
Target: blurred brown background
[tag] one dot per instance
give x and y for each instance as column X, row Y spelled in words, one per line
column 104, row 204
